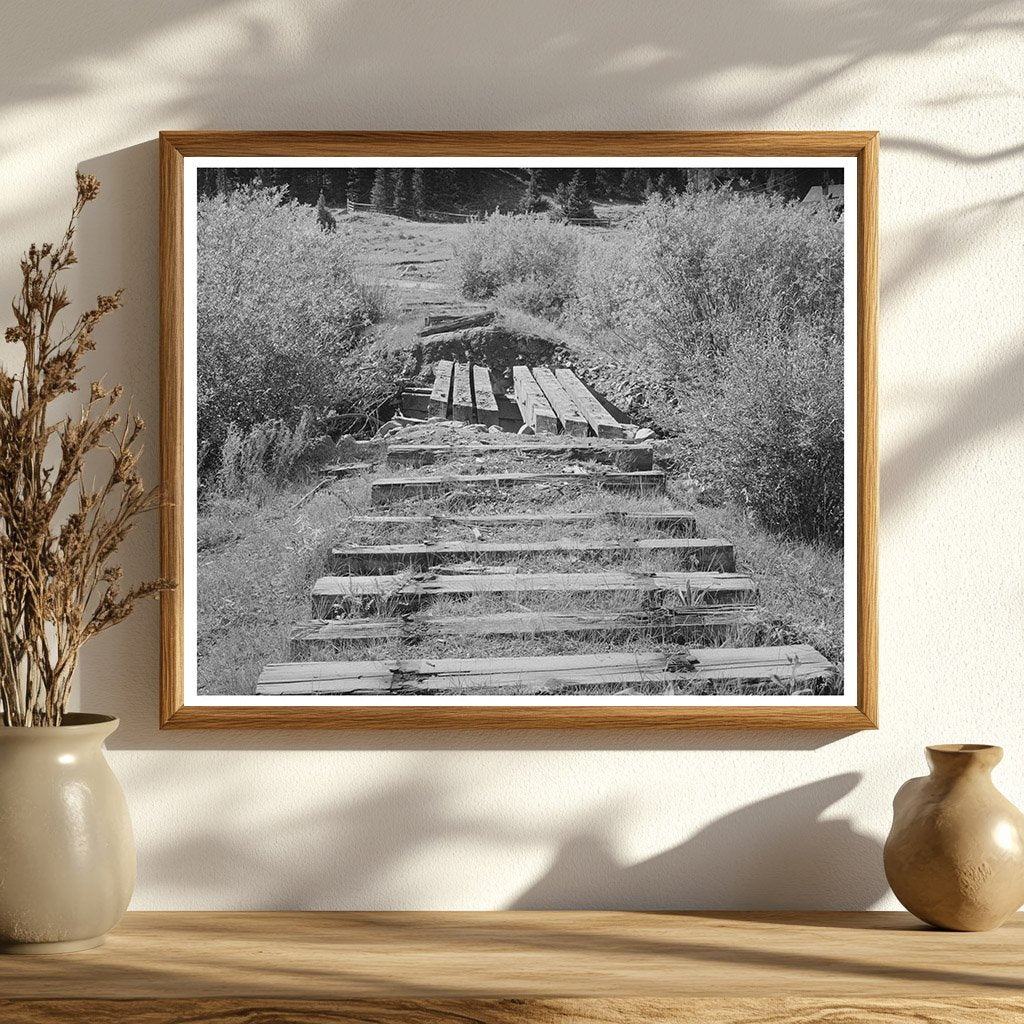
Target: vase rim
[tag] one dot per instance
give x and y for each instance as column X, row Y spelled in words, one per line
column 72, row 721
column 962, row 748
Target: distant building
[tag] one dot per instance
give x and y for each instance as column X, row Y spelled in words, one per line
column 820, row 193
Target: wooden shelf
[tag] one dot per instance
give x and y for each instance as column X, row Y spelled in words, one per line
column 522, row 967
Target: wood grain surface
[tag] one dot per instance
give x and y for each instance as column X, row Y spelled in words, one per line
column 588, row 967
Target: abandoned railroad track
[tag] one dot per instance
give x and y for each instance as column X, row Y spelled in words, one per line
column 499, row 534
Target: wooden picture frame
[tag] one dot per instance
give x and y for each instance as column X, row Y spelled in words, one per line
column 176, row 711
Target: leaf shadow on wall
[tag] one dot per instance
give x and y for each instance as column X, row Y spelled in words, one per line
column 322, row 64
column 411, row 840
column 777, row 853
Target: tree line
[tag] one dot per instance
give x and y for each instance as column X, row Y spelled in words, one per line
column 564, row 191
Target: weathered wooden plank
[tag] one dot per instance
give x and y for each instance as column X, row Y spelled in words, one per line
column 457, row 324
column 572, row 420
column 345, row 468
column 634, row 457
column 334, row 594
column 462, row 394
column 601, row 421
column 483, row 396
column 441, row 397
column 399, row 487
column 536, row 409
column 665, row 623
column 689, row 553
column 545, row 674
column 674, row 523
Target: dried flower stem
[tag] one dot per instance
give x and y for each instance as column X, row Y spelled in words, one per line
column 58, row 588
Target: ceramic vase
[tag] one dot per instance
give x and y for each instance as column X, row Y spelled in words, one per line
column 67, row 855
column 955, row 855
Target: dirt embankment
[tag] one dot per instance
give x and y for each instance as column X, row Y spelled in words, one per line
column 498, row 346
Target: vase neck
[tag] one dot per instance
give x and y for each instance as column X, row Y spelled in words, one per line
column 953, row 760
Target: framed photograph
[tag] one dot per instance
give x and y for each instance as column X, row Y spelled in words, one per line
column 519, row 429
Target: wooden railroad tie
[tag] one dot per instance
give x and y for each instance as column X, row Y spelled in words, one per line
column 334, row 595
column 569, row 416
column 675, row 624
column 670, row 522
column 533, row 404
column 440, row 403
column 382, row 491
column 462, row 392
column 690, row 553
column 630, row 457
column 542, row 675
column 484, row 402
column 601, row 421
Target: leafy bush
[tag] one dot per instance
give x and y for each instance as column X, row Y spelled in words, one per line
column 774, row 433
column 696, row 272
column 279, row 308
column 532, row 259
column 725, row 311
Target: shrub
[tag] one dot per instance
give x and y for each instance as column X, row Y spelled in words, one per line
column 700, row 270
column 774, row 433
column 279, row 308
column 725, row 312
column 529, row 252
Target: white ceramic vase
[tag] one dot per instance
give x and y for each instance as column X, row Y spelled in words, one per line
column 67, row 855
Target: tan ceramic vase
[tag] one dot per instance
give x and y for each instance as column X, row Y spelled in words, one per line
column 955, row 855
column 67, row 857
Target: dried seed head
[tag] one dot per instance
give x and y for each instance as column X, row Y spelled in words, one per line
column 88, row 186
column 97, row 391
column 107, row 303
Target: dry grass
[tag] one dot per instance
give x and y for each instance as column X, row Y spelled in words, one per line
column 257, row 566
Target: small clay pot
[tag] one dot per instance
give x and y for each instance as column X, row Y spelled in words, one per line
column 955, row 854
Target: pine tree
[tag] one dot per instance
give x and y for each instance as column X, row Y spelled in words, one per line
column 379, row 192
column 663, row 186
column 445, row 191
column 577, row 202
column 399, row 190
column 603, row 183
column 532, row 200
column 631, row 183
column 562, row 197
column 420, row 196
column 649, row 188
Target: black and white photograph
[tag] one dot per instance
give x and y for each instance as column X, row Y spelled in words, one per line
column 521, row 432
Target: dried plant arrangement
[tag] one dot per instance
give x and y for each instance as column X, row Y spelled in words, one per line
column 58, row 529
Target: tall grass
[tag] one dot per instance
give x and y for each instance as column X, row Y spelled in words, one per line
column 280, row 310
column 257, row 463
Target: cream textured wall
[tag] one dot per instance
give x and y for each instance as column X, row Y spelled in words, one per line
column 484, row 821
